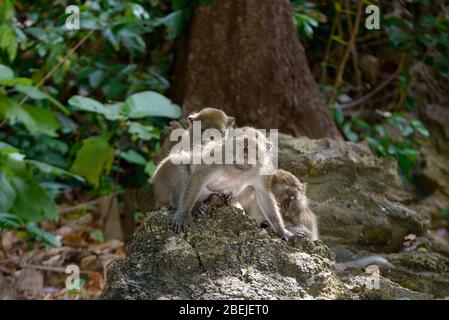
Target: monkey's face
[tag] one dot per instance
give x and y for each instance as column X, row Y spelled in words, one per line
column 285, row 195
column 249, row 151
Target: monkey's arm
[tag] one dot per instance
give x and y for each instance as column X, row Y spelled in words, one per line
column 270, row 210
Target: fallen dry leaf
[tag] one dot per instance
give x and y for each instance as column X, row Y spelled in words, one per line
column 86, row 261
column 107, row 246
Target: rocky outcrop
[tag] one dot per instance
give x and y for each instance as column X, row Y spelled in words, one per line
column 358, row 198
column 361, row 207
column 225, row 255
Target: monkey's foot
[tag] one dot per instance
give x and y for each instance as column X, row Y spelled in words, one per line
column 180, row 224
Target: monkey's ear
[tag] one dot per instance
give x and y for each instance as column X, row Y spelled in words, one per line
column 192, row 117
column 231, row 122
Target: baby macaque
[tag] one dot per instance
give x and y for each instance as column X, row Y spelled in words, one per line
column 208, row 118
column 291, row 196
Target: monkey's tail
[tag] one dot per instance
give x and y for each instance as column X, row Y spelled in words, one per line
column 365, row 262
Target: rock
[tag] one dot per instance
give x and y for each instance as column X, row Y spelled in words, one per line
column 358, row 198
column 225, row 255
column 222, row 256
column 432, row 180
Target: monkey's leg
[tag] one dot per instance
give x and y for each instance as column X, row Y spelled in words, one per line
column 255, row 213
column 183, row 215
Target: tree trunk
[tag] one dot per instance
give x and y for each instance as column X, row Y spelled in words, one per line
column 244, row 57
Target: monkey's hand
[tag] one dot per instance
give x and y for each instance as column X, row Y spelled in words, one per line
column 201, row 208
column 287, row 235
column 227, row 198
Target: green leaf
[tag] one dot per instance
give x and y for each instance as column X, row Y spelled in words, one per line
column 46, row 237
column 35, row 93
column 111, row 112
column 53, row 170
column 96, row 78
column 150, row 168
column 178, row 4
column 362, row 124
column 339, row 40
column 143, row 132
column 13, row 160
column 36, row 120
column 6, row 73
column 139, row 11
column 7, row 11
column 15, row 81
column 133, row 156
column 351, row 135
column 31, row 92
column 32, row 202
column 7, row 193
column 339, row 117
column 94, row 157
column 150, row 103
column 10, row 221
column 174, row 22
column 422, row 130
column 42, row 121
column 404, row 164
column 8, row 41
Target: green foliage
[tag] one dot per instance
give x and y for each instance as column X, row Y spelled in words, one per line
column 306, row 18
column 445, row 213
column 425, row 35
column 95, row 157
column 393, row 136
column 24, row 200
column 59, row 136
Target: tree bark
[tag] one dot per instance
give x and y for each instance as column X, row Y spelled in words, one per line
column 244, row 57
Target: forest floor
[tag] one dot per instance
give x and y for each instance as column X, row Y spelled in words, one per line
column 33, row 270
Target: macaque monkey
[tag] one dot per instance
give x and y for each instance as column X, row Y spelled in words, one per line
column 291, row 196
column 210, row 118
column 244, row 171
column 289, row 193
